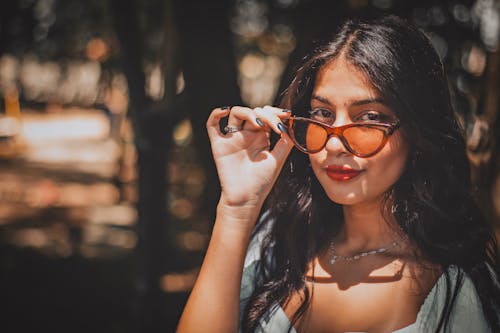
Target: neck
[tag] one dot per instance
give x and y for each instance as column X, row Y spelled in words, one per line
column 365, row 228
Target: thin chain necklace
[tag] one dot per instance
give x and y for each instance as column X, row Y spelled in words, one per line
column 336, row 257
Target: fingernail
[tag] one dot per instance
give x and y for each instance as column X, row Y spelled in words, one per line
column 258, row 121
column 286, row 110
column 225, row 107
column 282, row 128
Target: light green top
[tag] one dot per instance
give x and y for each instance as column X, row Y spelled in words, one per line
column 466, row 316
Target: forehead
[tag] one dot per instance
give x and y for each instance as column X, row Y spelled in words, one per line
column 342, row 80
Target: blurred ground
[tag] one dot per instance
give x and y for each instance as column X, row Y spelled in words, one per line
column 67, row 235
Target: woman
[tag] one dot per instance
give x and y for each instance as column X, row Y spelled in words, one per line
column 371, row 226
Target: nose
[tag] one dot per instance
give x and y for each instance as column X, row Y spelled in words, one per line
column 335, row 145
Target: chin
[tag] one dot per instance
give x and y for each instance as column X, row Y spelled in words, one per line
column 346, row 198
column 350, row 198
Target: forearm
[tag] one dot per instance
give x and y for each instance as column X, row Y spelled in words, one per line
column 214, row 301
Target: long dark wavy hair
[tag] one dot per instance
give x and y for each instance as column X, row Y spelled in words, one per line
column 433, row 201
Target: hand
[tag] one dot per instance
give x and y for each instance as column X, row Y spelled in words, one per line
column 246, row 166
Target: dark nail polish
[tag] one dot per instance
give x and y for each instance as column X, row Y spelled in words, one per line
column 258, row 121
column 225, row 107
column 282, row 128
column 286, row 110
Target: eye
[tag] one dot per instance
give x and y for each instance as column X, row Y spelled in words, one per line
column 323, row 115
column 373, row 116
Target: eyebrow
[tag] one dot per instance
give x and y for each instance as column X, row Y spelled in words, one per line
column 369, row 101
column 355, row 103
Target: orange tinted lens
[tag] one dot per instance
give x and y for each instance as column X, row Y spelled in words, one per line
column 308, row 135
column 316, row 137
column 364, row 140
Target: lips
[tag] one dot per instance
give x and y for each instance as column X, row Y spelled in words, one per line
column 341, row 173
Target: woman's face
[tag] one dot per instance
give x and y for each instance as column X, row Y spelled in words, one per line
column 342, row 95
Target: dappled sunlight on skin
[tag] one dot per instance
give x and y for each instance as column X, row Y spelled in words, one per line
column 362, row 287
column 341, row 89
column 342, row 95
column 385, row 269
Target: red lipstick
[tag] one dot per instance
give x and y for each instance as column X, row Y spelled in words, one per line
column 341, row 173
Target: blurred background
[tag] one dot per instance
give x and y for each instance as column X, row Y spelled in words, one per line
column 107, row 187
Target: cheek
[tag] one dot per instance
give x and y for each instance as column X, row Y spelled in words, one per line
column 381, row 172
column 316, row 160
column 387, row 167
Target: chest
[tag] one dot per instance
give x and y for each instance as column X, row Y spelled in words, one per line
column 383, row 301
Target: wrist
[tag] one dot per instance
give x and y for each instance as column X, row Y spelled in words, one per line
column 240, row 210
column 243, row 216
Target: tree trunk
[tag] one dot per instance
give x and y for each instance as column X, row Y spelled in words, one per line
column 209, row 68
column 152, row 134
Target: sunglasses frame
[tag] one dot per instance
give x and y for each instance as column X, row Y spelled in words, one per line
column 387, row 129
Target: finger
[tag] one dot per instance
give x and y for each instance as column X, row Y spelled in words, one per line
column 284, row 114
column 242, row 116
column 237, row 116
column 272, row 117
column 213, row 120
column 280, row 112
column 258, row 140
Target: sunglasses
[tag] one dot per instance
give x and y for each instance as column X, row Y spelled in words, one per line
column 363, row 140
